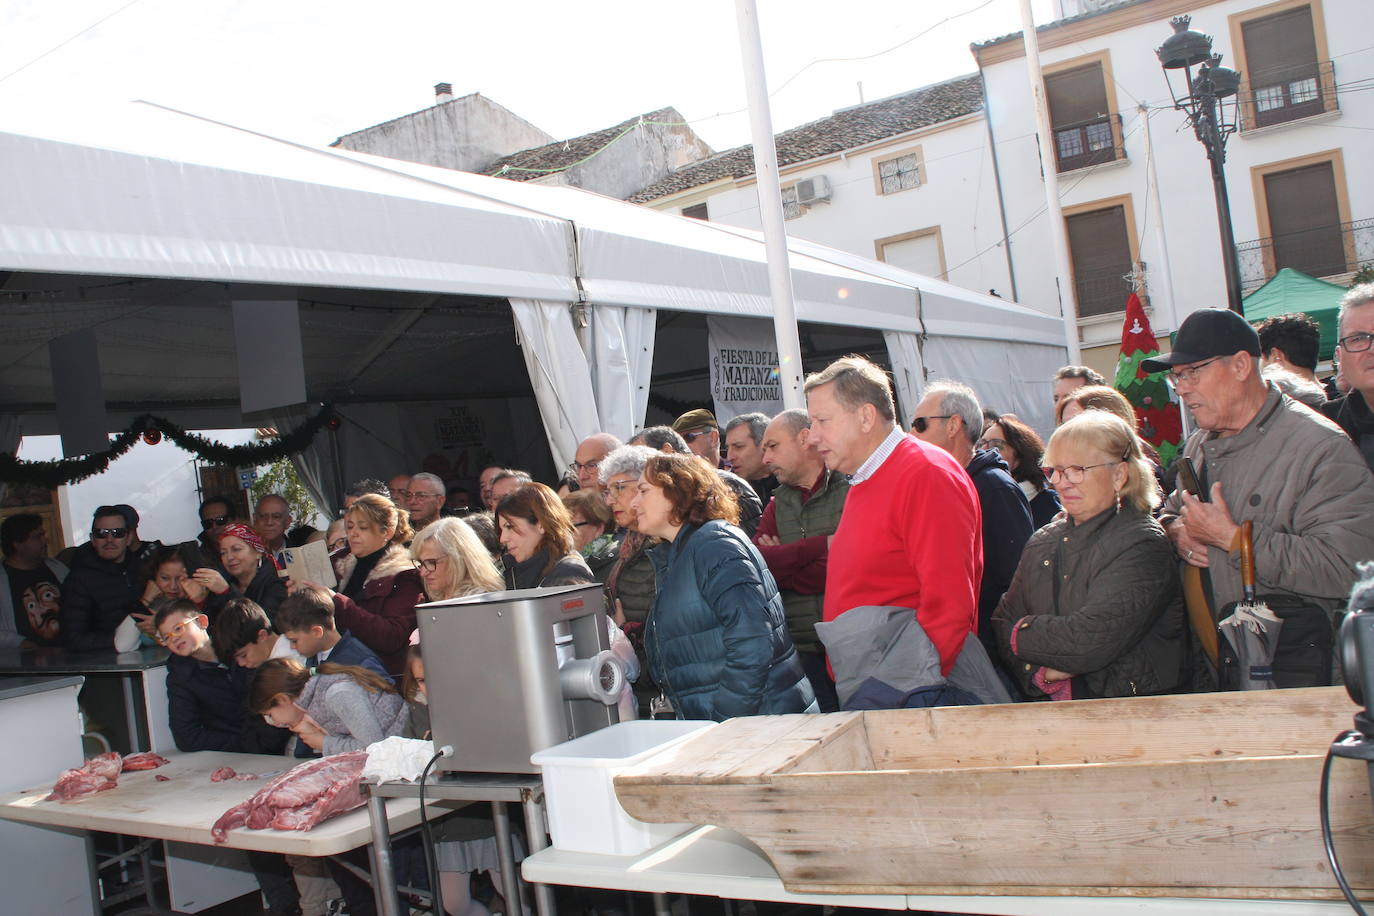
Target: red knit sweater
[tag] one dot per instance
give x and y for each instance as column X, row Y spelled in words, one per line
column 911, row 536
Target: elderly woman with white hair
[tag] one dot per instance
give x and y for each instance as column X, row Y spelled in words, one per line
column 1095, row 608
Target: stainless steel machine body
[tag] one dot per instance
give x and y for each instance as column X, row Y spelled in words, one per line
column 514, row 672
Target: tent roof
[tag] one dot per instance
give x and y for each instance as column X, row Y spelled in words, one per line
column 1291, row 291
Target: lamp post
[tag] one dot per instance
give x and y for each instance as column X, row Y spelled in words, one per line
column 1208, row 98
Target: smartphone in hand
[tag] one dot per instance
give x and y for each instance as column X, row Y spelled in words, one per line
column 1188, row 479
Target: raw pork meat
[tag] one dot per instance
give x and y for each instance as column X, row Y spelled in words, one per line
column 144, row 761
column 222, row 774
column 301, row 797
column 160, row 778
column 95, row 775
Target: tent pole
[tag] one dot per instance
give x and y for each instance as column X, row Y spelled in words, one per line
column 1049, row 168
column 770, row 206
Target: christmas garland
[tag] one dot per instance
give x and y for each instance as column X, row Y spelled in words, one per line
column 150, row 429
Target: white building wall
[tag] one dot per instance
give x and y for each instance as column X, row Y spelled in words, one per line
column 1189, row 214
column 956, row 203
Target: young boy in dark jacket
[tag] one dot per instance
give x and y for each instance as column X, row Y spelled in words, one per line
column 205, row 698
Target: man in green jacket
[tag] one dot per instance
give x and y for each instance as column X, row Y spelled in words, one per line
column 794, row 537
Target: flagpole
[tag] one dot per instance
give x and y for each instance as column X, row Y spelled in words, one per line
column 1049, row 169
column 770, row 206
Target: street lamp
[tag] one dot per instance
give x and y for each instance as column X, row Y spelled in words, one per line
column 1208, row 98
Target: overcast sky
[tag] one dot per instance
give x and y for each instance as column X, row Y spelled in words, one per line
column 310, row 70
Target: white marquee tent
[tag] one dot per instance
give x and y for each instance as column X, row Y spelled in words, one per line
column 190, row 213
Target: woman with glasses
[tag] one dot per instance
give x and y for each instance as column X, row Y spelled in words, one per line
column 1022, row 450
column 246, row 570
column 593, row 530
column 378, row 584
column 630, row 580
column 1095, row 608
column 717, row 639
column 1354, row 412
column 452, row 561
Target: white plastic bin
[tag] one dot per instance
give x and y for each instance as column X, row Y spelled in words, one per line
column 579, row 789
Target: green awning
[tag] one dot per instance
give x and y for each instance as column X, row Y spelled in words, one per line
column 1293, row 291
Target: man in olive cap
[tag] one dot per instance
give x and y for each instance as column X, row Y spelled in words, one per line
column 1264, row 458
column 698, row 427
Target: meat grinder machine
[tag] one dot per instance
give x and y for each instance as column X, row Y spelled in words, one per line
column 514, row 672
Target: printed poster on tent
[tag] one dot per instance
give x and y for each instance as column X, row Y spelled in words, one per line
column 743, row 358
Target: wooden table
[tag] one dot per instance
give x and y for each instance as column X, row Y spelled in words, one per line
column 715, row 862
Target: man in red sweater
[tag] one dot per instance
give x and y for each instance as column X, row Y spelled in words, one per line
column 911, row 533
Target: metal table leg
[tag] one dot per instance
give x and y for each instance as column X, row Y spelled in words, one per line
column 383, row 877
column 534, row 831
column 505, row 854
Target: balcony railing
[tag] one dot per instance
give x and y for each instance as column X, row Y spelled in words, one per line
column 1274, row 96
column 1102, row 291
column 1088, row 143
column 1326, row 251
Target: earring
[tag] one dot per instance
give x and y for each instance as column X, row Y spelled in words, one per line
column 1118, row 500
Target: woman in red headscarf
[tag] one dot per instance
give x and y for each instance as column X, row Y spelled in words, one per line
column 246, row 570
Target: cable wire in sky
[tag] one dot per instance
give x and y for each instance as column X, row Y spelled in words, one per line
column 62, row 44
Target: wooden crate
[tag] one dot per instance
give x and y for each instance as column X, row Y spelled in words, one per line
column 1208, row 795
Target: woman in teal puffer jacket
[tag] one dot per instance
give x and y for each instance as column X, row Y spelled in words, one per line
column 716, row 640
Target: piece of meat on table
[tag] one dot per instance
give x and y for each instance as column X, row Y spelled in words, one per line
column 160, row 778
column 222, row 774
column 97, row 774
column 147, row 760
column 301, row 797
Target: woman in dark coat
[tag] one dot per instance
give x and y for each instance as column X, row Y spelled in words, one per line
column 537, row 533
column 248, row 572
column 378, row 583
column 1095, row 608
column 717, row 640
column 1022, row 450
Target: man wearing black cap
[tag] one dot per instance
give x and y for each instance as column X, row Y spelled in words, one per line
column 699, row 430
column 1264, row 458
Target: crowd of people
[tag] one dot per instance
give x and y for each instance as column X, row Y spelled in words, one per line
column 1080, row 567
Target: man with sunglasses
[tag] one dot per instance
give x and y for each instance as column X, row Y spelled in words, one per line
column 699, row 430
column 215, row 513
column 102, row 587
column 1355, row 346
column 1260, row 457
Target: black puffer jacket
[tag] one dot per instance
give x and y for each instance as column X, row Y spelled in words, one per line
column 1116, row 621
column 571, row 570
column 96, row 597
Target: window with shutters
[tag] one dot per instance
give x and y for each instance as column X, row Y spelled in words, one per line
column 1087, row 129
column 901, row 172
column 1101, row 251
column 1281, row 54
column 1305, row 220
column 696, row 211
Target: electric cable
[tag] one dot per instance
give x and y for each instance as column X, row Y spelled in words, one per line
column 431, row 862
column 67, row 41
column 1327, row 840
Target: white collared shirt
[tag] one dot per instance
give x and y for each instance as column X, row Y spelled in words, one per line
column 880, row 454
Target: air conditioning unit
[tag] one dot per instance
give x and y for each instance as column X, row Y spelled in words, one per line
column 813, row 191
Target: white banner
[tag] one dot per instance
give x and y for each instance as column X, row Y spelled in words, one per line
column 743, row 355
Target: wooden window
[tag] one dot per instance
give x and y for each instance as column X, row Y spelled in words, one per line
column 696, row 211
column 900, row 173
column 1305, row 220
column 1285, row 77
column 1081, row 117
column 1100, row 249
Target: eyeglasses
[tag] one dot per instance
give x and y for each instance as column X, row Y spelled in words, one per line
column 337, row 544
column 1190, row 375
column 692, row 437
column 921, row 424
column 104, row 533
column 577, row 467
column 428, row 566
column 175, row 631
column 1073, row 473
column 417, row 494
column 994, row 444
column 1356, row 343
column 585, row 524
column 613, row 490
column 214, row 521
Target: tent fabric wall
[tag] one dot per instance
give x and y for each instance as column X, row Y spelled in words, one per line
column 559, row 373
column 908, row 372
column 315, row 465
column 1009, row 380
column 622, row 360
